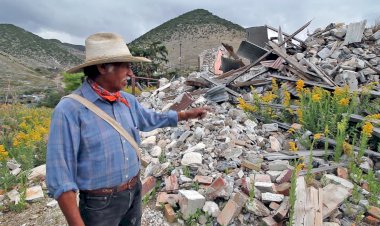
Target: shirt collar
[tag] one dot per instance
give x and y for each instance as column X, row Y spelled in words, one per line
column 88, row 92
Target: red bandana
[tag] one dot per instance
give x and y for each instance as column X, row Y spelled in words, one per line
column 111, row 97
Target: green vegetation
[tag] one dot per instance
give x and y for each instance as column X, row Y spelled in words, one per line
column 185, row 24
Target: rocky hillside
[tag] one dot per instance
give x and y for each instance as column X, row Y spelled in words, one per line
column 186, row 36
column 29, row 63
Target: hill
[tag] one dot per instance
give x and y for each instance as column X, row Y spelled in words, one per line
column 187, row 35
column 30, row 63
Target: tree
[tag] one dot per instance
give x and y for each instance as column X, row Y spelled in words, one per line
column 72, row 81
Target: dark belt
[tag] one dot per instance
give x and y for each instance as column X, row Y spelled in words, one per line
column 106, row 191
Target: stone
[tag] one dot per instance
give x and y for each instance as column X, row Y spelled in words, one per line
column 145, row 94
column 156, row 151
column 271, row 197
column 299, row 56
column 223, row 166
column 197, row 148
column 264, row 186
column 184, row 136
column 163, row 198
column 199, row 133
column 275, row 144
column 154, row 132
column 169, row 213
column 365, row 166
column 324, row 53
column 34, row 193
column 284, row 177
column 371, row 220
column 184, row 179
column 52, row 204
column 14, row 196
column 149, row 142
column 232, row 154
column 331, row 224
column 203, row 179
column 262, row 178
column 38, row 172
column 274, row 205
column 232, row 208
column 211, row 208
column 376, row 35
column 257, row 208
column 337, row 180
column 374, row 211
column 250, row 165
column 12, row 164
column 190, row 201
column 270, row 127
column 148, row 184
column 219, row 188
column 347, row 78
column 273, row 175
column 171, row 183
column 192, row 159
column 16, row 171
column 342, row 172
column 278, row 165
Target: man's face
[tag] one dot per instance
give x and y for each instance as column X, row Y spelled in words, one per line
column 116, row 76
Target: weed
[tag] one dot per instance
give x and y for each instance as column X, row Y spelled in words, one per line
column 186, row 171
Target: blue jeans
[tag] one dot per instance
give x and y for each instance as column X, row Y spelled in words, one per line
column 116, row 209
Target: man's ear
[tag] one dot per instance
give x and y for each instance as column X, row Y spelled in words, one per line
column 101, row 68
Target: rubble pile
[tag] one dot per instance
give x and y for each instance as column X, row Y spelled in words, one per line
column 230, row 169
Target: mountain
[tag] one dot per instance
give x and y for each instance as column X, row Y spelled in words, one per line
column 30, row 63
column 187, row 35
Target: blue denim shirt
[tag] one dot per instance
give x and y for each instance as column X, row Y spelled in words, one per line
column 84, row 152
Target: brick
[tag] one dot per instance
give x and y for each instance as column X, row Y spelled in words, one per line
column 169, row 213
column 374, row 211
column 342, row 172
column 269, row 221
column 284, row 176
column 216, row 188
column 273, row 175
column 251, row 165
column 270, row 197
column 190, row 201
column 232, row 208
column 148, row 185
column 265, row 186
column 163, row 198
column 274, row 205
column 371, row 220
column 171, row 183
column 262, row 178
column 281, row 212
column 283, row 188
column 203, row 179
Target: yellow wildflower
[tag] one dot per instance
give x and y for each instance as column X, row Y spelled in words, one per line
column 291, row 130
column 300, row 167
column 344, row 102
column 374, row 116
column 286, row 99
column 299, row 85
column 367, row 129
column 318, row 136
column 316, row 97
column 245, row 106
column 268, row 97
column 3, row 152
column 327, row 129
column 292, row 146
column 300, row 114
column 274, row 85
column 347, row 148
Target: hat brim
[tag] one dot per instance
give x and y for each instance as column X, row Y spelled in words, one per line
column 127, row 58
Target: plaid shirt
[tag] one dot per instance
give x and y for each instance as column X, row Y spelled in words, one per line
column 84, row 152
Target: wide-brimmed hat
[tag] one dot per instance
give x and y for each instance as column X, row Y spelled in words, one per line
column 104, row 48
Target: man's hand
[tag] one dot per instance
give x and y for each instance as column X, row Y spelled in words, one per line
column 68, row 204
column 198, row 113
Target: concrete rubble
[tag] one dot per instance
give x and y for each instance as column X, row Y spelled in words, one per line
column 221, row 164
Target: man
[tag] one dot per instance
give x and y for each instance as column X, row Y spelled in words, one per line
column 87, row 154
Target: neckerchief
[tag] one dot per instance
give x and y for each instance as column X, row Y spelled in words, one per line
column 106, row 95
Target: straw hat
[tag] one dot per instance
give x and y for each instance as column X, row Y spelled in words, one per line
column 106, row 48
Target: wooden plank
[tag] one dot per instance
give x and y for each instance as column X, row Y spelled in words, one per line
column 286, row 35
column 300, row 204
column 313, row 216
column 246, row 68
column 322, row 169
column 218, row 84
column 368, row 152
column 319, row 72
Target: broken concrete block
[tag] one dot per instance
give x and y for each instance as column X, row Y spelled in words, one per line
column 265, row 186
column 211, row 208
column 52, row 204
column 269, row 221
column 283, row 188
column 338, row 180
column 203, row 179
column 257, row 208
column 262, row 178
column 275, row 145
column 278, row 165
column 219, row 188
column 38, row 172
column 342, row 172
column 271, row 197
column 270, row 127
column 149, row 142
column 371, row 220
column 34, row 193
column 274, row 205
column 14, row 196
column 347, row 78
column 156, row 151
column 192, row 159
column 190, row 201
column 273, row 175
column 374, row 211
column 333, row 196
column 281, row 212
column 253, row 166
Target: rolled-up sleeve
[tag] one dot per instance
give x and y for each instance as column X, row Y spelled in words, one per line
column 62, row 148
column 148, row 119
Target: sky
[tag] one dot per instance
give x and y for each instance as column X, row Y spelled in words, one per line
column 72, row 21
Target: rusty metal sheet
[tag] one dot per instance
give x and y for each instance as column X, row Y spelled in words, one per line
column 258, row 35
column 185, row 102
